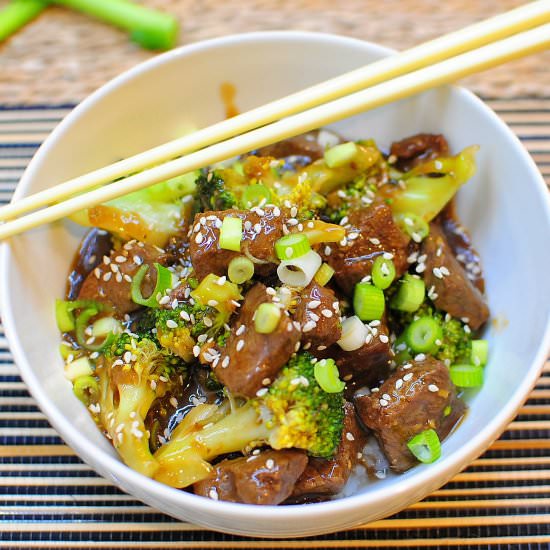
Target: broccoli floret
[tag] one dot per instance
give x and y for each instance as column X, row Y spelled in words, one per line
column 456, row 342
column 293, row 412
column 131, row 376
column 177, row 330
column 212, row 194
column 428, row 187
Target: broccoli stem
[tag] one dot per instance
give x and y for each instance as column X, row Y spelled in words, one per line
column 17, row 14
column 184, row 459
column 150, row 29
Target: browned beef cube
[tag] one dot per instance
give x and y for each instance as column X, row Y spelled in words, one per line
column 111, row 280
column 251, row 360
column 419, row 148
column 375, row 233
column 367, row 365
column 266, row 478
column 416, row 397
column 445, row 277
column 328, row 477
column 318, row 312
column 261, row 228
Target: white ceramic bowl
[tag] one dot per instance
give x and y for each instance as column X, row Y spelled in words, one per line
column 505, row 206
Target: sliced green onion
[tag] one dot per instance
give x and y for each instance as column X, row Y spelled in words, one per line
column 340, row 154
column 255, row 195
column 354, row 334
column 106, row 326
column 327, row 376
column 410, row 295
column 217, row 292
column 413, row 225
column 77, row 368
column 89, row 342
column 64, row 315
column 368, row 302
column 150, row 29
column 425, row 446
column 86, row 389
column 266, row 318
column 240, row 270
column 231, row 234
column 324, row 274
column 383, row 272
column 480, row 352
column 299, row 271
column 164, row 282
column 424, row 335
column 292, row 246
column 466, row 376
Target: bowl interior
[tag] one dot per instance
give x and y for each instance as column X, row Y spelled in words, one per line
column 504, row 207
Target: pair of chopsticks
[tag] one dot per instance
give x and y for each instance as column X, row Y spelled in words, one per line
column 506, row 37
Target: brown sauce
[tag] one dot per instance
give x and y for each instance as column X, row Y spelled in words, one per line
column 94, row 246
column 228, row 93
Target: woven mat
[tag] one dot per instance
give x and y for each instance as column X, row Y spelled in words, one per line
column 63, row 56
column 50, row 499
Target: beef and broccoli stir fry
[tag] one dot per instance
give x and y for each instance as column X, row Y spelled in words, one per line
column 248, row 331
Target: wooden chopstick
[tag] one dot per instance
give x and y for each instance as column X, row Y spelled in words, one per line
column 479, row 34
column 444, row 72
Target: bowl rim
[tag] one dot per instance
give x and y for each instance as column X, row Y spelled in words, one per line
column 124, row 476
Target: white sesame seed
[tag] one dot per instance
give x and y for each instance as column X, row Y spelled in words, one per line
column 120, row 259
column 420, row 357
column 174, row 402
column 213, row 494
column 271, row 291
column 258, row 228
column 328, row 250
column 387, row 256
column 344, row 220
column 240, row 330
column 352, row 236
column 107, row 276
column 164, row 300
column 383, row 338
column 375, row 390
column 408, row 376
column 383, row 403
column 261, row 392
column 386, row 397
column 399, row 383
column 212, row 303
column 240, row 345
column 313, row 316
column 127, row 356
column 184, row 315
column 127, row 278
column 97, row 272
column 374, row 240
column 199, row 238
column 293, row 212
column 407, row 366
column 312, row 304
column 196, row 351
column 171, row 324
column 349, row 436
column 225, row 362
column 437, row 272
column 327, row 313
column 310, row 325
column 444, row 270
column 433, row 388
column 467, row 329
column 269, row 464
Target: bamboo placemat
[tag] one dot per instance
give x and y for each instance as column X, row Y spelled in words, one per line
column 50, row 499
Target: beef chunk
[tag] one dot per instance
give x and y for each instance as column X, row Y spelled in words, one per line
column 250, row 359
column 461, row 244
column 376, row 233
column 419, row 148
column 328, row 477
column 367, row 365
column 261, row 228
column 318, row 312
column 445, row 276
column 266, row 478
column 414, row 398
column 305, row 145
column 111, row 280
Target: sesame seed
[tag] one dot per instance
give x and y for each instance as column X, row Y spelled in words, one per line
column 444, row 271
column 420, row 357
column 289, row 251
column 312, row 304
column 310, row 325
column 328, row 250
column 213, row 494
column 383, row 338
column 207, row 321
column 399, row 383
column 276, row 212
column 408, row 376
column 327, row 313
column 352, row 236
column 368, row 338
column 127, row 356
column 120, row 259
column 261, row 392
column 127, row 278
column 202, row 338
column 97, row 272
column 269, row 464
column 196, row 351
column 433, row 388
column 248, row 225
column 293, row 212
column 349, row 436
column 174, row 402
column 174, row 303
column 375, row 390
column 171, row 324
column 199, row 238
column 106, row 260
column 197, row 227
column 107, row 276
column 374, row 240
column 184, row 315
column 240, row 345
column 212, row 303
column 387, row 256
column 467, row 329
column 266, row 381
column 225, row 362
column 118, row 278
column 420, row 268
column 383, row 403
column 164, row 300
column 437, row 272
column 344, row 220
column 258, row 228
column 270, row 291
column 407, row 366
column 320, row 348
column 386, row 397
column 313, row 316
column 240, row 330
